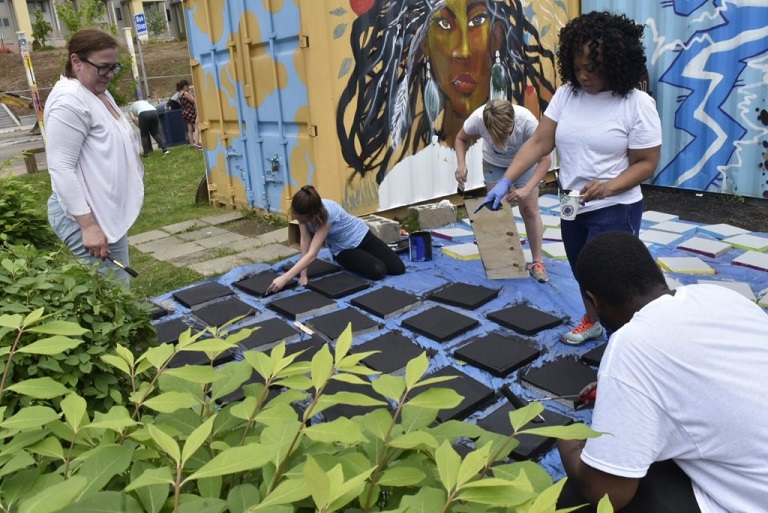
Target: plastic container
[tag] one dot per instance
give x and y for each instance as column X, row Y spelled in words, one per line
column 420, row 244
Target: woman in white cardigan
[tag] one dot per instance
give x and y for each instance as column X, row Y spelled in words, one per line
column 93, row 155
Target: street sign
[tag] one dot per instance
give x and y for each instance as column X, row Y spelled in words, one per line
column 141, row 24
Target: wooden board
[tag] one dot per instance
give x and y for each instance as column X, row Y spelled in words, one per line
column 498, row 241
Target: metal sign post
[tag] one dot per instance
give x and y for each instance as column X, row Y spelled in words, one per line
column 141, row 33
column 36, row 102
column 134, row 68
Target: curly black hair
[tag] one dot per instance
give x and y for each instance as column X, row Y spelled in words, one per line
column 622, row 61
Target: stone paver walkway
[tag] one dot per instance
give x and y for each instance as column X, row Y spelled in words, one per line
column 206, row 246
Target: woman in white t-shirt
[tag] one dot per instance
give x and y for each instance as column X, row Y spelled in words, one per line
column 350, row 241
column 93, row 155
column 607, row 133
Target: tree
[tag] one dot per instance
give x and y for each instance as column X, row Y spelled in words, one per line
column 40, row 28
column 155, row 21
column 86, row 15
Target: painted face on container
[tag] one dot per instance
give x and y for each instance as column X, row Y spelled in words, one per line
column 587, row 71
column 458, row 48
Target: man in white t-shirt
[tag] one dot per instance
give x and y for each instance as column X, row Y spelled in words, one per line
column 504, row 128
column 680, row 383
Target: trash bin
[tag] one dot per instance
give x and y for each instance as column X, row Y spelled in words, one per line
column 174, row 127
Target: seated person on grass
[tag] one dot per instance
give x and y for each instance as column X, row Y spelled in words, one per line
column 680, row 391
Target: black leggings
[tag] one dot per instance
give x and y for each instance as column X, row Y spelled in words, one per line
column 372, row 259
column 149, row 123
column 664, row 489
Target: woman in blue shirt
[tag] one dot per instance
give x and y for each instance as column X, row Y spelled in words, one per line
column 348, row 238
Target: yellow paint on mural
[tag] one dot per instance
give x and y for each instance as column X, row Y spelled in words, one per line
column 273, row 6
column 265, row 75
column 228, row 189
column 208, row 16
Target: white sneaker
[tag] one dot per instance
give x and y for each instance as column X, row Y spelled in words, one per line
column 587, row 330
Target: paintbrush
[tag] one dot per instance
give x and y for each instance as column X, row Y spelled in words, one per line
column 129, row 270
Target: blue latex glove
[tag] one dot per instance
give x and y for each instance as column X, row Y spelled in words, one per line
column 498, row 193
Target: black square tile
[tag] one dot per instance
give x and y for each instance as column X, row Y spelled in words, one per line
column 221, row 312
column 310, row 347
column 386, row 302
column 525, row 319
column 257, row 284
column 339, row 285
column 199, row 294
column 333, row 324
column 269, row 333
column 564, row 377
column 346, row 410
column 169, row 331
column 594, row 356
column 156, row 311
column 396, row 350
column 183, row 358
column 531, row 447
column 439, row 323
column 302, row 305
column 317, row 268
column 498, row 354
column 475, row 394
column 463, row 295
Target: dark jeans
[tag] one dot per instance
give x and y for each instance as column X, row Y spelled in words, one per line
column 149, row 123
column 372, row 259
column 664, row 489
column 577, row 233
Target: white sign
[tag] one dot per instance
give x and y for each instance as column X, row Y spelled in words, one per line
column 141, row 24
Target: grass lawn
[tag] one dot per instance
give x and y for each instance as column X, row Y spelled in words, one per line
column 170, row 185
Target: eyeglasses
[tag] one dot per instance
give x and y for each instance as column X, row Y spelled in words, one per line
column 104, row 70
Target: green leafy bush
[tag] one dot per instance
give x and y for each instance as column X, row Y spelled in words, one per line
column 172, row 445
column 67, row 290
column 21, row 219
column 40, row 28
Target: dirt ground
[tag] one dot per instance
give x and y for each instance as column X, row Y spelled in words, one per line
column 166, row 64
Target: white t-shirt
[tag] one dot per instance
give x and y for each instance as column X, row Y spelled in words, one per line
column 687, row 379
column 140, row 106
column 93, row 158
column 594, row 133
column 525, row 125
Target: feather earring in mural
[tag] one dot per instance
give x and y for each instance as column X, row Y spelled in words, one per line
column 498, row 80
column 400, row 116
column 431, row 98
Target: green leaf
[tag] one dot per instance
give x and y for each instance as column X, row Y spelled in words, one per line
column 159, row 355
column 577, row 431
column 202, row 505
column 416, row 418
column 236, row 459
column 153, row 496
column 165, row 442
column 11, row 321
column 522, row 416
column 391, row 387
column 497, row 492
column 30, row 417
column 377, row 423
column 33, row 317
column 277, row 415
column 196, row 439
column 454, row 429
column 349, row 398
column 537, row 476
column 341, row 430
column 199, row 374
column 54, row 498
column 106, row 502
column 605, row 506
column 260, row 362
column 448, row 462
column 117, row 419
column 151, row 477
column 437, row 398
column 426, row 500
column 414, row 440
column 401, row 476
column 126, row 354
column 345, row 491
column 321, row 367
column 318, row 482
column 472, row 464
column 547, row 500
column 51, row 345
column 64, row 328
column 287, row 492
column 39, row 388
column 169, row 402
column 117, row 362
column 16, row 463
column 49, row 448
column 242, row 497
column 233, row 375
column 102, row 464
column 73, row 406
column 415, row 369
column 351, row 379
column 343, row 343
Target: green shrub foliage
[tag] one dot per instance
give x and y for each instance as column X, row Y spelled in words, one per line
column 21, row 220
column 67, row 290
column 179, row 442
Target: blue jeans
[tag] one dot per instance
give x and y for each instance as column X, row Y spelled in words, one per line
column 577, row 233
column 71, row 235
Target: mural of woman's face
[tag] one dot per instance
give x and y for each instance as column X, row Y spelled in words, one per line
column 458, row 48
